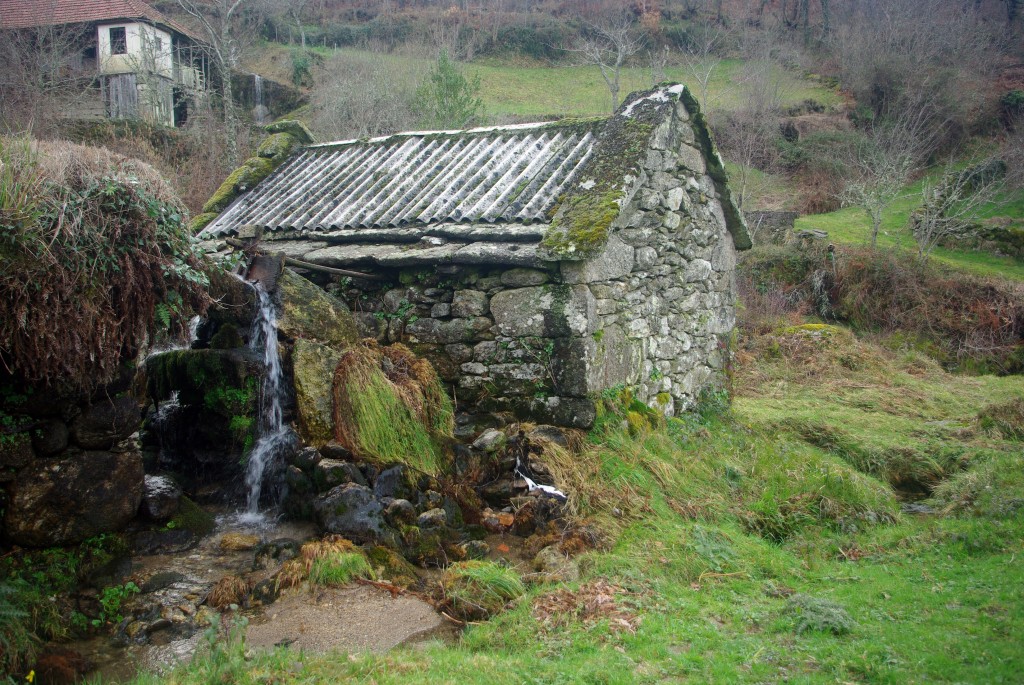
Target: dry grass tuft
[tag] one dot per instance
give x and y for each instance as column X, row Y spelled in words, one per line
column 228, row 590
column 97, row 261
column 592, row 602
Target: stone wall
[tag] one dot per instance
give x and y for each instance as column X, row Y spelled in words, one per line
column 654, row 311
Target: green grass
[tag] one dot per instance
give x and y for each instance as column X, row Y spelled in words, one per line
column 543, row 91
column 480, row 589
column 742, row 552
column 339, row 568
column 851, row 226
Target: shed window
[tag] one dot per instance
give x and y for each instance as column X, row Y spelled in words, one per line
column 118, row 41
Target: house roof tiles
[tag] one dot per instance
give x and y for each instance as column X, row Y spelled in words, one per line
column 21, row 14
column 511, row 175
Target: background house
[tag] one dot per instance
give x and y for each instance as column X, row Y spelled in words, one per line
column 139, row 63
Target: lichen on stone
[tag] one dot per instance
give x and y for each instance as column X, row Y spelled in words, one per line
column 583, row 217
column 734, row 220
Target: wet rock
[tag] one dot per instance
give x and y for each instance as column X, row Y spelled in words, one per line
column 333, row 450
column 149, row 542
column 238, row 542
column 313, row 367
column 297, row 481
column 307, row 458
column 310, row 313
column 432, row 518
column 491, row 440
column 393, row 482
column 554, row 434
column 275, row 552
column 161, row 580
column 400, row 512
column 265, row 592
column 106, row 422
column 556, row 566
column 50, row 437
column 64, row 501
column 497, row 521
column 160, row 498
column 330, row 473
column 475, row 549
column 352, row 511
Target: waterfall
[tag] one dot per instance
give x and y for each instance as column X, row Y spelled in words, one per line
column 260, row 111
column 272, row 433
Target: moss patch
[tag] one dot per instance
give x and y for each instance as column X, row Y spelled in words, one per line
column 309, row 312
column 313, row 368
column 244, row 178
column 277, row 147
column 583, row 218
column 390, row 406
column 201, row 221
column 193, row 518
column 294, row 128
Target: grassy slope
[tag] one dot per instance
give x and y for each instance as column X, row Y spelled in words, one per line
column 541, row 91
column 934, row 599
column 852, row 226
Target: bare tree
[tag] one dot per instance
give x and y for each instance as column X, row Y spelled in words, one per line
column 749, row 133
column 885, row 159
column 220, row 22
column 44, row 76
column 609, row 44
column 951, row 203
column 700, row 58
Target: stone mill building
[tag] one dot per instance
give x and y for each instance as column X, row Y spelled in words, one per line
column 535, row 265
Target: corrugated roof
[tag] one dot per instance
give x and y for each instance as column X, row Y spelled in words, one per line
column 21, row 14
column 511, row 174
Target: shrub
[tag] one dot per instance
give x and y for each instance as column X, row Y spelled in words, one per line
column 477, row 590
column 820, row 615
column 446, row 98
column 97, row 262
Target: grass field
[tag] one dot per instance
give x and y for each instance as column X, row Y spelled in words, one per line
column 852, row 226
column 747, row 551
column 512, row 91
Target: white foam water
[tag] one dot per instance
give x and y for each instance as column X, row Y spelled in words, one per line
column 272, row 433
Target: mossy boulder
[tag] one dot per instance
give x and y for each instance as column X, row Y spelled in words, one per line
column 391, row 566
column 242, row 179
column 313, row 367
column 200, row 375
column 277, row 147
column 309, row 313
column 293, row 127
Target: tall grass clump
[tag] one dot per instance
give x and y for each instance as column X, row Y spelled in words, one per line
column 480, row 589
column 340, row 568
column 97, row 261
column 17, row 642
column 390, row 406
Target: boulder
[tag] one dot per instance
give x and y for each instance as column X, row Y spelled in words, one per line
column 311, row 313
column 106, row 422
column 331, row 472
column 352, row 511
column 313, row 367
column 160, row 498
column 64, row 501
column 556, row 566
column 50, row 437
